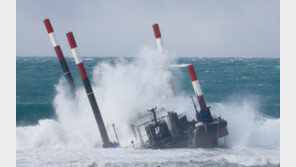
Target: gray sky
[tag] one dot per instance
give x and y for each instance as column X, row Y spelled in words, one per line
column 208, row 28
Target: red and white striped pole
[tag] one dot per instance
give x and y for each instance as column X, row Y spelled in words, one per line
column 89, row 91
column 158, row 38
column 162, row 50
column 197, row 88
column 60, row 55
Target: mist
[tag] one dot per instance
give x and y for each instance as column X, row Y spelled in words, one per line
column 216, row 28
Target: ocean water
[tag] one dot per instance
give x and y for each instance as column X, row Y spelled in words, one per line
column 55, row 129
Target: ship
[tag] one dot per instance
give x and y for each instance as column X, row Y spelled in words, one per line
column 175, row 131
column 168, row 131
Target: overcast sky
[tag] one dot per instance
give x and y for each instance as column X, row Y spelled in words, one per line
column 199, row 28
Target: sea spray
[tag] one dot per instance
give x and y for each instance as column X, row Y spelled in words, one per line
column 247, row 127
column 126, row 88
column 75, row 126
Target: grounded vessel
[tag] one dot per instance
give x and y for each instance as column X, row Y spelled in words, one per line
column 168, row 131
column 173, row 131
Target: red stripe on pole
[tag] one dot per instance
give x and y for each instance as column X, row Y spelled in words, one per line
column 48, row 25
column 192, row 73
column 202, row 102
column 71, row 40
column 156, row 31
column 82, row 71
column 59, row 52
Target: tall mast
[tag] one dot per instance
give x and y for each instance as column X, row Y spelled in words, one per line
column 89, row 91
column 161, row 49
column 60, row 55
column 158, row 38
column 197, row 88
column 205, row 114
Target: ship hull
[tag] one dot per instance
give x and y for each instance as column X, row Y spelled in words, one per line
column 206, row 139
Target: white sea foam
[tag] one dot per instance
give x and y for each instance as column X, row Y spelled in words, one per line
column 247, row 127
column 136, row 157
column 125, row 89
column 122, row 90
column 179, row 65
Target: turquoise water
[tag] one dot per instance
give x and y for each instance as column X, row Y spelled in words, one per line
column 55, row 129
column 220, row 78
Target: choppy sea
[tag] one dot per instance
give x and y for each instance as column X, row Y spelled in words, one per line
column 55, row 129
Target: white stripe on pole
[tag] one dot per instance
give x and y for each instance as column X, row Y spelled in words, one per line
column 52, row 39
column 197, row 88
column 160, row 45
column 76, row 56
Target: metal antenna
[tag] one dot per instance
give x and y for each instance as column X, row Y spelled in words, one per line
column 114, row 128
column 154, row 114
